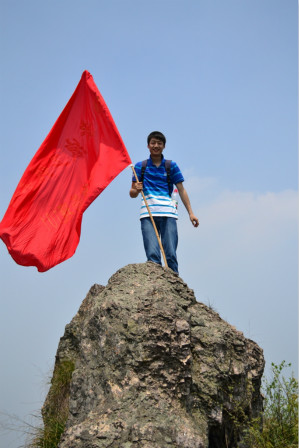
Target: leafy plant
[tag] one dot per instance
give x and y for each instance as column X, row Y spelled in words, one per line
column 280, row 417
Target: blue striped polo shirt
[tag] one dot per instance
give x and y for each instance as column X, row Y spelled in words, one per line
column 155, row 188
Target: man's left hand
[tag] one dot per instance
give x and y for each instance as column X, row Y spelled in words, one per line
column 194, row 220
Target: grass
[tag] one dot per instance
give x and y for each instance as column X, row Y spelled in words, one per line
column 55, row 410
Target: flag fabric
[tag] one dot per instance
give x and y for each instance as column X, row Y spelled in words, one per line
column 80, row 156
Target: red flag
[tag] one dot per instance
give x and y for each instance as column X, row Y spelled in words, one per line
column 81, row 155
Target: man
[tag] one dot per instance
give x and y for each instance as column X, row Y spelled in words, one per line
column 157, row 180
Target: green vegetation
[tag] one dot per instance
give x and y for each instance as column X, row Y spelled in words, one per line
column 280, row 417
column 55, row 411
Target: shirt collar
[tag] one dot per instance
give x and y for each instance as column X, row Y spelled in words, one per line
column 150, row 162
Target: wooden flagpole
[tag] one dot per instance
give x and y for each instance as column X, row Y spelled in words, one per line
column 152, row 219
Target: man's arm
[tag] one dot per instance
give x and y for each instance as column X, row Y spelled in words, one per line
column 136, row 188
column 186, row 201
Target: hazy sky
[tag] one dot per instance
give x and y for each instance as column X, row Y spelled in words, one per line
column 219, row 78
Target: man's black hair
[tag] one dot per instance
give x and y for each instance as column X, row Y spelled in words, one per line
column 157, row 135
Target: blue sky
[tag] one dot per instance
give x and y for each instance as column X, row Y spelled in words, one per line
column 220, row 80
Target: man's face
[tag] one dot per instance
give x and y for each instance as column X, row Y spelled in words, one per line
column 156, row 147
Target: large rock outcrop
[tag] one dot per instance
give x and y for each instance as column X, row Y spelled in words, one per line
column 152, row 367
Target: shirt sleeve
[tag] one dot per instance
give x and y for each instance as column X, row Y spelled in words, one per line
column 138, row 172
column 175, row 174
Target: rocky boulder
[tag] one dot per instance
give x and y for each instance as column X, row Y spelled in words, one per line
column 152, row 367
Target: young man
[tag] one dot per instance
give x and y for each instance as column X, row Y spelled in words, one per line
column 157, row 180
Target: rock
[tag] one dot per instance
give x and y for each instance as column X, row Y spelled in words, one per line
column 152, row 367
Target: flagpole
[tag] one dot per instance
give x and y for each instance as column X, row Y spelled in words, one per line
column 152, row 219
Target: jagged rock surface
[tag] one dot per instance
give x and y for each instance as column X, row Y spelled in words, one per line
column 155, row 368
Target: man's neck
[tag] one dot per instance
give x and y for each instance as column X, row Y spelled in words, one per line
column 157, row 160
